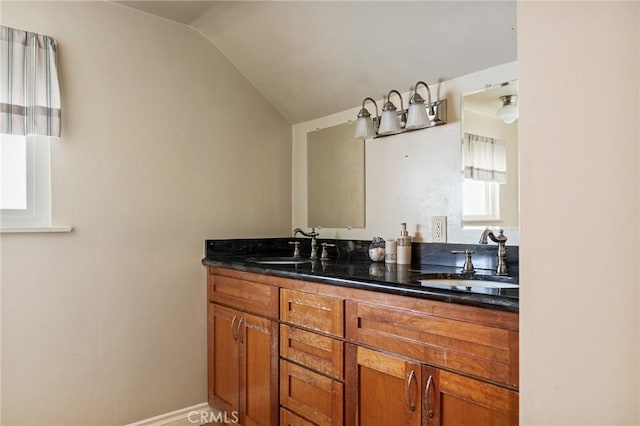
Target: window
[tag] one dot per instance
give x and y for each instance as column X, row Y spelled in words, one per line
column 29, row 116
column 480, row 201
column 25, row 188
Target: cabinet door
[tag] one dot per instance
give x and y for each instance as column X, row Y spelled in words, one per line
column 258, row 370
column 450, row 399
column 223, row 355
column 382, row 389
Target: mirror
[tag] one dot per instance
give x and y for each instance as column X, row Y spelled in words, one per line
column 489, row 159
column 335, row 178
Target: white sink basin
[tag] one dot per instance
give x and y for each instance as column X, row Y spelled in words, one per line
column 462, row 284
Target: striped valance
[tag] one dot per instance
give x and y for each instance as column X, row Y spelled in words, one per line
column 484, row 158
column 29, row 90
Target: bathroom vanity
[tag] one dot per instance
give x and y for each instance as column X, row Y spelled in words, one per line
column 349, row 341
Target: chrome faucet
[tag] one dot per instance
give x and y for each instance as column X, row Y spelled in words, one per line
column 467, row 268
column 501, row 239
column 314, row 244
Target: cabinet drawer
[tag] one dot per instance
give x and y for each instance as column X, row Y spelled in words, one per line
column 248, row 296
column 321, row 313
column 479, row 350
column 311, row 395
column 287, row 418
column 318, row 352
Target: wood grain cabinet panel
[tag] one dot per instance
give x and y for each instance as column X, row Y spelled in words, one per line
column 382, row 389
column 312, row 311
column 311, row 395
column 287, row 418
column 450, row 399
column 294, row 353
column 243, row 365
column 242, row 349
column 255, row 298
column 258, row 375
column 223, row 358
column 479, row 350
column 315, row 351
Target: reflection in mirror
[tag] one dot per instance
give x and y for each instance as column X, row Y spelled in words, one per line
column 335, row 178
column 490, row 157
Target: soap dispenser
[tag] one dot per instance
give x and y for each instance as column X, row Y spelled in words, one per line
column 404, row 246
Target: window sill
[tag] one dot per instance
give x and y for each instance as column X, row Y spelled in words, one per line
column 40, row 229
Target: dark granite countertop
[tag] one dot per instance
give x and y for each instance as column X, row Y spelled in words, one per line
column 349, row 266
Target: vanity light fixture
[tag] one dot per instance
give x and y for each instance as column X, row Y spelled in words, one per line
column 389, row 121
column 418, row 118
column 419, row 115
column 366, row 127
column 509, row 111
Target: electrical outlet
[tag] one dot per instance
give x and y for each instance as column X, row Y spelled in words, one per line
column 439, row 229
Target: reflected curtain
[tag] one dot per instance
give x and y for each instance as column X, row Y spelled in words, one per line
column 29, row 90
column 484, row 158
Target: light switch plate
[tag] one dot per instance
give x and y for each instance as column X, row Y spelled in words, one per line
column 439, row 229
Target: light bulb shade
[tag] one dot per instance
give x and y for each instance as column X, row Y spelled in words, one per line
column 389, row 123
column 364, row 128
column 417, row 117
column 508, row 113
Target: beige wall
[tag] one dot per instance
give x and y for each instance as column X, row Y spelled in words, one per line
column 106, row 325
column 579, row 76
column 409, row 177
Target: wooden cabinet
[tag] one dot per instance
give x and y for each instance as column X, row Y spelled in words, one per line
column 287, row 418
column 382, row 389
column 315, row 351
column 313, row 311
column 472, row 341
column 313, row 396
column 223, row 358
column 388, row 389
column 243, row 359
column 451, row 400
column 311, row 369
column 464, row 361
column 296, row 353
column 246, row 295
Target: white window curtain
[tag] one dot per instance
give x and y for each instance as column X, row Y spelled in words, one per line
column 484, row 159
column 29, row 90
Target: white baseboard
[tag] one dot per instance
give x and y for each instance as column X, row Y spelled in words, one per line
column 188, row 416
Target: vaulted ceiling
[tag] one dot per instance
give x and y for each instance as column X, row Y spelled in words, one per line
column 311, row 59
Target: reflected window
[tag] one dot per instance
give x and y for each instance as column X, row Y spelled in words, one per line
column 480, row 201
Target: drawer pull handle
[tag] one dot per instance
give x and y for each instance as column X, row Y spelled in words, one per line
column 426, row 392
column 235, row 317
column 411, row 378
column 240, row 334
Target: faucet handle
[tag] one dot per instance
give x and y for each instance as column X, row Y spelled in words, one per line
column 296, row 250
column 325, row 254
column 467, row 268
